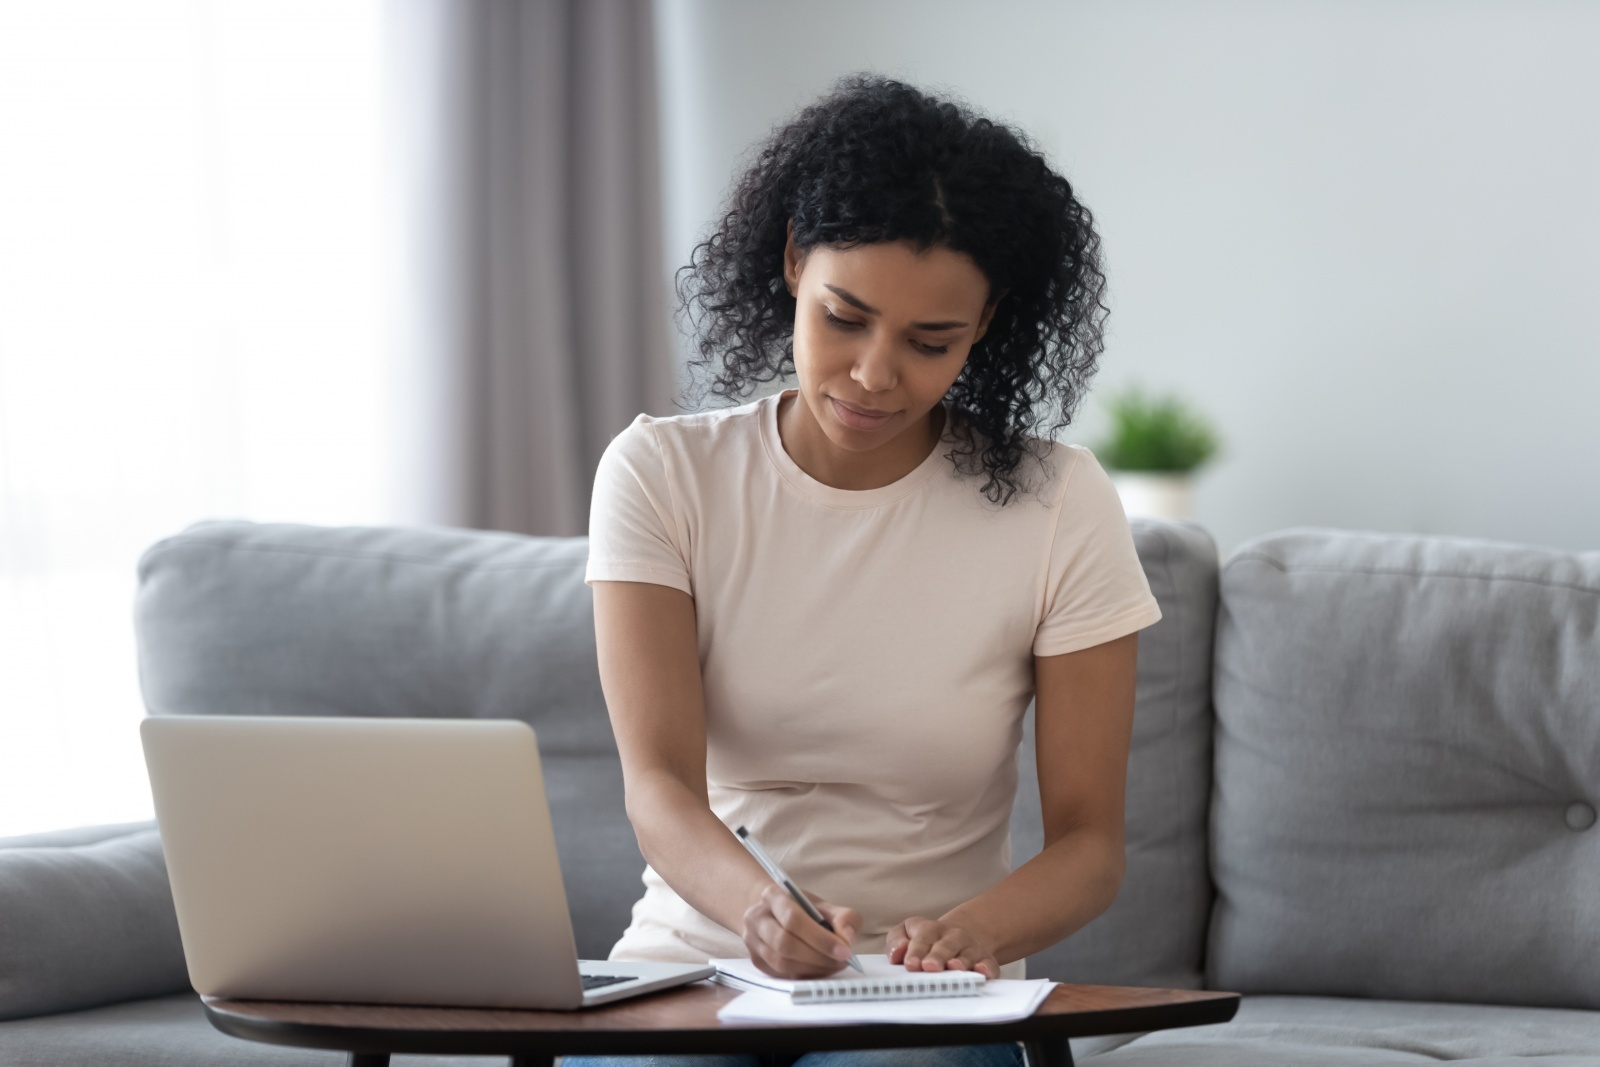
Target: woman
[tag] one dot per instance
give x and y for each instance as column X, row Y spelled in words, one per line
column 822, row 614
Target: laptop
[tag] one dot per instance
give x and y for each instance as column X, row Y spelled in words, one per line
column 377, row 861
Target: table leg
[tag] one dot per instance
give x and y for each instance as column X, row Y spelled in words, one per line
column 1050, row 1052
column 367, row 1059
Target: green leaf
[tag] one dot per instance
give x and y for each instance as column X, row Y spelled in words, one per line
column 1155, row 434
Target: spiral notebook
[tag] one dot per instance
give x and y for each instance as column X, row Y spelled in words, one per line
column 768, row 999
column 881, row 980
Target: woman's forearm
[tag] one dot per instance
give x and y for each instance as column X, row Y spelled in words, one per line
column 692, row 850
column 1060, row 890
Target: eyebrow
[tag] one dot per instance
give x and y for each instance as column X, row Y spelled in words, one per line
column 857, row 302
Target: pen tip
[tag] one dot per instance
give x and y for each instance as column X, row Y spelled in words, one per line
column 857, row 965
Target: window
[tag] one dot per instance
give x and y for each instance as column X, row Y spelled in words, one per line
column 191, row 326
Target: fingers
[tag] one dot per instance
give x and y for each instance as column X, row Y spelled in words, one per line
column 921, row 935
column 895, row 945
column 846, row 921
column 803, row 927
column 786, row 942
column 927, row 945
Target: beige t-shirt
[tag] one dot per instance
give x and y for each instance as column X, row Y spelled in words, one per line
column 867, row 655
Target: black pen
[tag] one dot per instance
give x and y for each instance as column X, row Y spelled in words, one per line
column 769, row 865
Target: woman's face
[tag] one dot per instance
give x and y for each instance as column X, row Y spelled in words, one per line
column 880, row 333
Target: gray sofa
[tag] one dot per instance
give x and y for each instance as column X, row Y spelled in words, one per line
column 1362, row 787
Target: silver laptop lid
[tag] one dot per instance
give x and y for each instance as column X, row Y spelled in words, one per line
column 402, row 861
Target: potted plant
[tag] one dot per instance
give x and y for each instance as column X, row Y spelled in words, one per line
column 1155, row 447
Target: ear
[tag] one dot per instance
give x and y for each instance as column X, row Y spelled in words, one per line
column 988, row 314
column 793, row 260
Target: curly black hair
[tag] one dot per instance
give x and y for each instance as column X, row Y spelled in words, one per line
column 878, row 160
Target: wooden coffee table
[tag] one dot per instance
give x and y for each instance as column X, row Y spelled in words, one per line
column 684, row 1020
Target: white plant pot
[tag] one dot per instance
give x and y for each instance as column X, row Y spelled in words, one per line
column 1154, row 495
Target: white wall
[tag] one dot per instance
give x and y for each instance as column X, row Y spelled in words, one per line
column 1363, row 235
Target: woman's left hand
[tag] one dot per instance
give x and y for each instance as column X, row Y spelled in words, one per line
column 934, row 945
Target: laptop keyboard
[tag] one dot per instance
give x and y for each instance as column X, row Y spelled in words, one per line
column 595, row 981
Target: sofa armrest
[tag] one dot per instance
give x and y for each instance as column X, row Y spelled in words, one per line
column 78, row 835
column 86, row 924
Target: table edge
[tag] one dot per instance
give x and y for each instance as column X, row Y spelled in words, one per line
column 1207, row 1009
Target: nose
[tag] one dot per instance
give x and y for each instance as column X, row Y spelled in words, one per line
column 874, row 368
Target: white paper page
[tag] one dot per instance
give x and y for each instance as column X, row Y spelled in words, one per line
column 1002, row 999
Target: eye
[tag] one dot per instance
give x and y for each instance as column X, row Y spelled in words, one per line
column 846, row 324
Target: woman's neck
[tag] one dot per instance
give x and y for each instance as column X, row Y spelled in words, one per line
column 842, row 468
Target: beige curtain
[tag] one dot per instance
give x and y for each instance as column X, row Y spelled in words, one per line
column 534, row 293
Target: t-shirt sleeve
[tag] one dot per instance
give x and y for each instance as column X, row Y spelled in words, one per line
column 633, row 525
column 1095, row 589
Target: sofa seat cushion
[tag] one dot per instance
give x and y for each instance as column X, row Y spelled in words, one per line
column 1271, row 1031
column 169, row 1031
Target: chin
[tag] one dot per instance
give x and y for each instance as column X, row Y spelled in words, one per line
column 854, row 442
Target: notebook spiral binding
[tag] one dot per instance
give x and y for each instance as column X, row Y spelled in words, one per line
column 943, row 984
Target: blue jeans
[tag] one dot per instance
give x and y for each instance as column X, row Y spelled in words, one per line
column 1009, row 1055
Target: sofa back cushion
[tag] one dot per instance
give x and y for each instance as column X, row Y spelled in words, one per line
column 1407, row 770
column 246, row 618
column 1154, row 933
column 240, row 618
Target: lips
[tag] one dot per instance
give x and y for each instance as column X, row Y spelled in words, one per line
column 858, row 418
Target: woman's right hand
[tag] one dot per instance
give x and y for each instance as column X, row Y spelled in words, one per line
column 785, row 942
